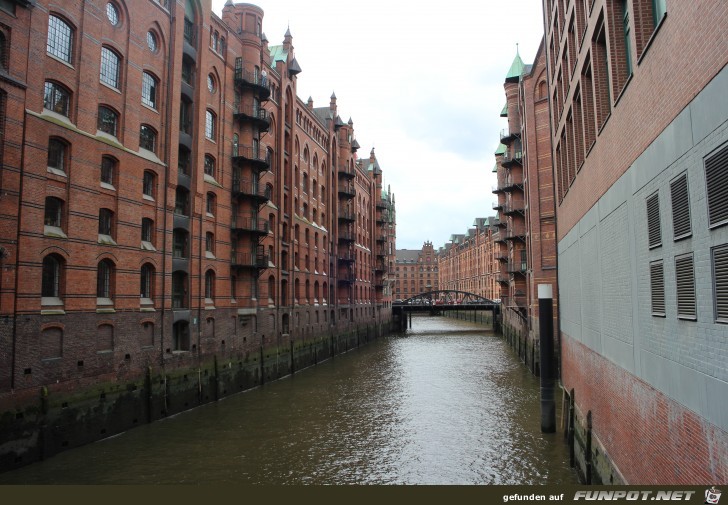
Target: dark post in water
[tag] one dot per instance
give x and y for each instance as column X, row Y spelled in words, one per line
column 546, row 333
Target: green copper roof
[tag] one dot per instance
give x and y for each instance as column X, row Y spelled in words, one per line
column 278, row 53
column 504, row 112
column 501, row 149
column 516, row 67
column 495, row 167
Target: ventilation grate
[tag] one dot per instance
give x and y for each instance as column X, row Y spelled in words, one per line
column 685, row 278
column 720, row 275
column 657, row 287
column 716, row 178
column 654, row 234
column 680, row 208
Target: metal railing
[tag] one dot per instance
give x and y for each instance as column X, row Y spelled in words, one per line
column 247, row 187
column 252, row 224
column 249, row 260
column 254, row 153
column 190, row 32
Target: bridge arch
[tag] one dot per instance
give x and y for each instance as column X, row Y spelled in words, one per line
column 447, row 297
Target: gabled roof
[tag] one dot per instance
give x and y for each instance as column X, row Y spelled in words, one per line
column 504, row 111
column 409, row 255
column 323, row 113
column 501, row 149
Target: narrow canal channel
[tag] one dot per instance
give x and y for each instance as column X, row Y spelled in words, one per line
column 447, row 403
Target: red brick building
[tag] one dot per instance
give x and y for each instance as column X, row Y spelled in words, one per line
column 639, row 129
column 170, row 203
column 468, row 262
column 526, row 239
column 416, row 272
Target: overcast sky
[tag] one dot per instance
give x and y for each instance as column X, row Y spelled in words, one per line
column 423, row 83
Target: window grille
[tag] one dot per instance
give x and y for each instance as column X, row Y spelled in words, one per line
column 685, row 280
column 680, row 207
column 720, row 280
column 654, row 233
column 716, row 178
column 657, row 288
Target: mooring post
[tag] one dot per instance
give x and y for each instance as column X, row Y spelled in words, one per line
column 546, row 338
column 410, row 320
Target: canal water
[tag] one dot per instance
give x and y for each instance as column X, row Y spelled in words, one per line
column 447, row 402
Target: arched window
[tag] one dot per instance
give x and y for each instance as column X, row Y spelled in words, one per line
column 271, row 289
column 108, row 170
column 56, row 98
column 210, row 244
column 209, row 286
column 106, row 222
column 53, row 212
column 104, row 280
column 210, row 204
column 51, row 277
column 147, row 138
column 210, row 166
column 110, row 66
column 149, row 89
column 108, row 120
column 60, row 39
column 148, row 231
column 147, row 281
column 210, row 124
column 149, row 184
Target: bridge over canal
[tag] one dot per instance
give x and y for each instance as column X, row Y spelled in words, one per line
column 436, row 302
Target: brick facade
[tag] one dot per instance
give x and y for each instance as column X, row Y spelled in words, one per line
column 637, row 110
column 168, row 198
column 468, row 262
column 416, row 272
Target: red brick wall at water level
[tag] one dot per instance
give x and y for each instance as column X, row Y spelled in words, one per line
column 638, row 424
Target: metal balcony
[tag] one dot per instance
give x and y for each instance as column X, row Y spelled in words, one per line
column 347, row 278
column 511, row 183
column 502, row 278
column 515, row 233
column 502, row 257
column 507, row 136
column 346, row 172
column 346, row 256
column 512, row 158
column 346, row 216
column 255, row 156
column 517, row 268
column 250, row 261
column 382, row 238
column 346, row 237
column 382, row 204
column 253, row 115
column 250, row 225
column 251, row 189
column 251, row 80
column 347, row 190
column 497, row 206
column 513, row 209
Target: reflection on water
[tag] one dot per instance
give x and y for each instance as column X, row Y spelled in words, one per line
column 448, row 403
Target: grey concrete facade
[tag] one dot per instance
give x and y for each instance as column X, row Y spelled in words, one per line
column 604, row 267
